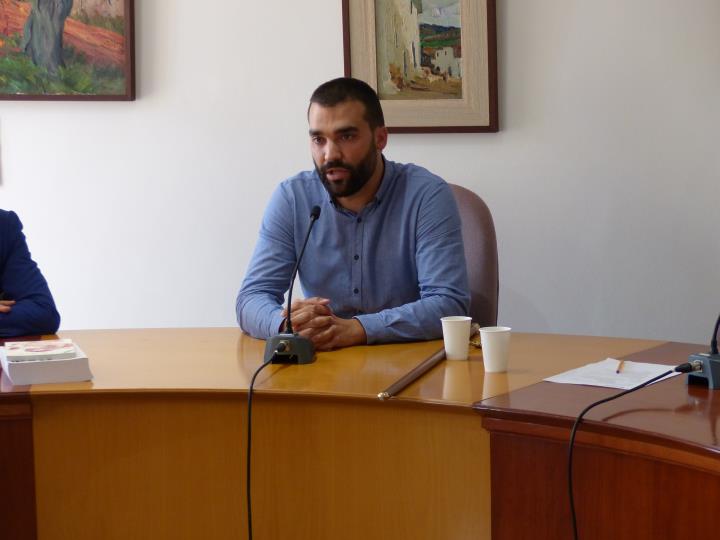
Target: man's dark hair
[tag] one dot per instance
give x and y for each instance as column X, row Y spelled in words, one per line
column 343, row 89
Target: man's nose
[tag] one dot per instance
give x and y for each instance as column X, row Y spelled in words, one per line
column 332, row 152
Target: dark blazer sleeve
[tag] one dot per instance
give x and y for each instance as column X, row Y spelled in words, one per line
column 34, row 311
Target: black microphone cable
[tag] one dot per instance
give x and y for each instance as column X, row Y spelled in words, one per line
column 280, row 348
column 284, row 345
column 687, row 367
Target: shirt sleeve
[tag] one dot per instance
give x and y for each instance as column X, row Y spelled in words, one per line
column 259, row 302
column 442, row 276
column 34, row 311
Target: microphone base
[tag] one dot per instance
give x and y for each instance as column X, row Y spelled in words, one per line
column 710, row 374
column 296, row 350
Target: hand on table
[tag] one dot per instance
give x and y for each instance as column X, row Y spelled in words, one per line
column 312, row 318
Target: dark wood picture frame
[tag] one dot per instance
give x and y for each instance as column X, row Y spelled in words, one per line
column 475, row 112
column 128, row 69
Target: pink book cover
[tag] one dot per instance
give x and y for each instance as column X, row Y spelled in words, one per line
column 55, row 349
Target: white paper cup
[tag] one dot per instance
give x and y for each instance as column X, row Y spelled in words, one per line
column 456, row 334
column 495, row 342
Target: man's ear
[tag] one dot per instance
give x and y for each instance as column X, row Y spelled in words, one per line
column 381, row 138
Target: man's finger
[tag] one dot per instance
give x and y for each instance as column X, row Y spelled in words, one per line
column 324, row 308
column 7, row 302
column 302, row 317
column 5, row 309
column 311, row 320
column 315, row 322
column 310, row 311
column 324, row 340
column 304, row 323
column 310, row 333
column 307, row 333
column 318, row 300
column 312, row 301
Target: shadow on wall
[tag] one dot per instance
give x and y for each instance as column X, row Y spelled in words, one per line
column 517, row 312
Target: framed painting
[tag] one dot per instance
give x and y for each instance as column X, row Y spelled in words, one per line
column 432, row 62
column 67, row 50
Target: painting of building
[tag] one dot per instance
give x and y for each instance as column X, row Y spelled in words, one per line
column 418, row 49
column 447, row 63
column 397, row 31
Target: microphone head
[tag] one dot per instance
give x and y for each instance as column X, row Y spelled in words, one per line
column 315, row 212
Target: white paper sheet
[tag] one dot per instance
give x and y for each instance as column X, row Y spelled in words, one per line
column 604, row 373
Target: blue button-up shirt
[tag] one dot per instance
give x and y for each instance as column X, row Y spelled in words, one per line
column 398, row 266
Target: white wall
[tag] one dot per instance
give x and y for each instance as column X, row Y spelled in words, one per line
column 603, row 181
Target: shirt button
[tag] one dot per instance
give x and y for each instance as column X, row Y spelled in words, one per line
column 356, row 291
column 356, row 257
column 359, row 220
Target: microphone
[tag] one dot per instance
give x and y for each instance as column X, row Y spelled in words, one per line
column 288, row 347
column 709, row 374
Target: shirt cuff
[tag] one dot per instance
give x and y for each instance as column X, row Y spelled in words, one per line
column 374, row 327
column 276, row 320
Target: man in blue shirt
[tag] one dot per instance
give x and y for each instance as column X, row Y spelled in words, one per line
column 385, row 260
column 26, row 305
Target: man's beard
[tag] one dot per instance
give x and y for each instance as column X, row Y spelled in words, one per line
column 359, row 175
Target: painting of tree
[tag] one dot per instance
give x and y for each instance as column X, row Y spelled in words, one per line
column 43, row 38
column 66, row 49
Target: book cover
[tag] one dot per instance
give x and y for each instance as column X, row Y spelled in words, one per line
column 25, row 351
column 55, row 370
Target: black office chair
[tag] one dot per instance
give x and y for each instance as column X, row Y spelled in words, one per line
column 481, row 255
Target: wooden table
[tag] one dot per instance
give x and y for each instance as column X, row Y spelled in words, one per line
column 646, row 466
column 154, row 446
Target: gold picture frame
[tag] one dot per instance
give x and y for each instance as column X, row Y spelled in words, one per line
column 475, row 111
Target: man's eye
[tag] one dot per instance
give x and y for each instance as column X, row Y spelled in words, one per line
column 348, row 136
column 317, row 140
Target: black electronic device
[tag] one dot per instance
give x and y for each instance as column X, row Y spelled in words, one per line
column 710, row 374
column 288, row 347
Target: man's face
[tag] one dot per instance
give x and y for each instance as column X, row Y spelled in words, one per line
column 346, row 152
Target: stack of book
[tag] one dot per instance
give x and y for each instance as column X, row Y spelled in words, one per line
column 48, row 361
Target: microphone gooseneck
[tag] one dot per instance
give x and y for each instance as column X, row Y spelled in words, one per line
column 314, row 215
column 287, row 347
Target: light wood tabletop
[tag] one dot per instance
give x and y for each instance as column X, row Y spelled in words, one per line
column 154, row 446
column 224, row 359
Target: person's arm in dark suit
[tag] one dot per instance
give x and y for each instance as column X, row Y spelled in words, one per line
column 28, row 307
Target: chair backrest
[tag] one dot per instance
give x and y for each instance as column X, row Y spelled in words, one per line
column 481, row 255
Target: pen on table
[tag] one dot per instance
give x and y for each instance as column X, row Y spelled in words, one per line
column 621, row 364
